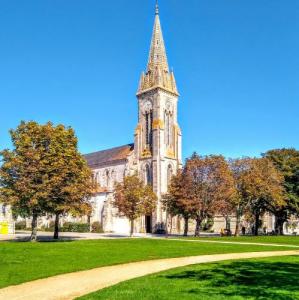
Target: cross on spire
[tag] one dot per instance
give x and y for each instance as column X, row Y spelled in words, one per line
column 157, row 7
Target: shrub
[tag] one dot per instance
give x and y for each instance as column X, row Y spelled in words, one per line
column 49, row 228
column 159, row 228
column 20, row 225
column 75, row 227
column 97, row 227
column 68, row 227
column 207, row 225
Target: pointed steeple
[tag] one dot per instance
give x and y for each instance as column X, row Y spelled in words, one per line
column 157, row 72
column 157, row 54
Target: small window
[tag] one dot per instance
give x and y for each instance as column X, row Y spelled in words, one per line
column 3, row 209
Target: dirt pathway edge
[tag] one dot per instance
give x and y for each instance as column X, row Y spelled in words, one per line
column 73, row 285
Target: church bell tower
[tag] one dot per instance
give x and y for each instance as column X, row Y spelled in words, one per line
column 157, row 136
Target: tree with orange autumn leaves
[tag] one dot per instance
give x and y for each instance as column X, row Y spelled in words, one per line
column 260, row 187
column 211, row 187
column 174, row 202
column 44, row 174
column 205, row 187
column 133, row 199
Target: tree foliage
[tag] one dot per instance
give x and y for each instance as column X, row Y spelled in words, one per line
column 133, row 199
column 261, row 186
column 211, row 186
column 176, row 200
column 287, row 163
column 44, row 173
column 204, row 186
column 239, row 167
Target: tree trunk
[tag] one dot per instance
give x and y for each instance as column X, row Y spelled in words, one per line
column 237, row 229
column 166, row 225
column 33, row 236
column 186, row 226
column 257, row 221
column 56, row 226
column 171, row 219
column 279, row 225
column 280, row 228
column 197, row 226
column 131, row 228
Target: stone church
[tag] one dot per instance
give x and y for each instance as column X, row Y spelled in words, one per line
column 156, row 152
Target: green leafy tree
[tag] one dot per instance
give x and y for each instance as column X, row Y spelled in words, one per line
column 71, row 178
column 287, row 162
column 44, row 173
column 262, row 188
column 133, row 199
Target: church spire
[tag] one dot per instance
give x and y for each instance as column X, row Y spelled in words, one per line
column 157, row 72
column 157, row 54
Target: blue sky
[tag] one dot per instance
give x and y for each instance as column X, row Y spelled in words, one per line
column 78, row 63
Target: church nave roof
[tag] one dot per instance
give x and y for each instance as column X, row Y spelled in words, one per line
column 109, row 156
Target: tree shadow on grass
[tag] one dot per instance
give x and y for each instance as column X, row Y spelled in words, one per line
column 41, row 240
column 249, row 279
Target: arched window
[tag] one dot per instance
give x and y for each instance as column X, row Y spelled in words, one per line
column 148, row 129
column 107, row 178
column 113, row 178
column 148, row 175
column 3, row 210
column 169, row 174
column 96, row 178
column 168, row 128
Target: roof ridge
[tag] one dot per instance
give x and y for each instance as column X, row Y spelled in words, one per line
column 109, row 156
column 109, row 149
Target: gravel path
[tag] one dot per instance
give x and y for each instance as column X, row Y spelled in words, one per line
column 231, row 242
column 72, row 285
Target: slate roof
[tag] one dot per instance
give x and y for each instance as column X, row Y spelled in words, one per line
column 108, row 157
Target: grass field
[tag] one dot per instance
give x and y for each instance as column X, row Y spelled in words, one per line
column 23, row 261
column 290, row 240
column 268, row 278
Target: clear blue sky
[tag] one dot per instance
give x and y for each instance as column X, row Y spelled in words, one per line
column 78, row 63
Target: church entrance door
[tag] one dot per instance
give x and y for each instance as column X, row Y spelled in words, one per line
column 148, row 224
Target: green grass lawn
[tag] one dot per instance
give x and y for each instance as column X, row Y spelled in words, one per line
column 290, row 240
column 25, row 261
column 273, row 278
